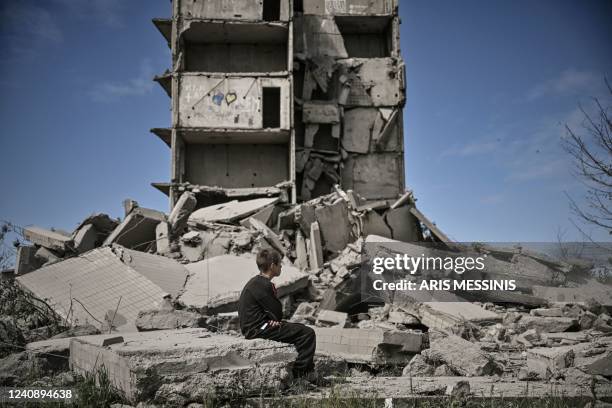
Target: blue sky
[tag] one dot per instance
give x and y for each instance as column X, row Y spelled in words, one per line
column 490, row 84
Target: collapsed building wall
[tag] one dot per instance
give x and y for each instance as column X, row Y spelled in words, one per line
column 284, row 99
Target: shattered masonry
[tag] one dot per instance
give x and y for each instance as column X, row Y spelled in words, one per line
column 275, row 98
column 301, row 154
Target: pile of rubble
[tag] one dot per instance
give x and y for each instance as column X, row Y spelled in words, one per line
column 165, row 288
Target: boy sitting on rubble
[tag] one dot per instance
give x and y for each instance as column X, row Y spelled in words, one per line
column 261, row 313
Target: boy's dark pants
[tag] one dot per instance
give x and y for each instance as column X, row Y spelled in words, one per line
column 302, row 337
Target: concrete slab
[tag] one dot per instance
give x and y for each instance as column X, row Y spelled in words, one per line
column 404, row 226
column 320, row 112
column 335, row 226
column 370, row 346
column 442, row 315
column 181, row 211
column 547, row 324
column 26, row 260
column 461, row 356
column 48, row 239
column 358, row 124
column 85, row 238
column 172, row 365
column 230, row 211
column 216, row 283
column 137, row 229
column 590, row 289
column 316, row 248
column 88, row 288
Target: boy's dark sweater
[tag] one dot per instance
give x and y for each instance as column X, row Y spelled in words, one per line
column 257, row 305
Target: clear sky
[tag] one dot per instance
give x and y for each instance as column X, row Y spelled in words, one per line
column 490, row 85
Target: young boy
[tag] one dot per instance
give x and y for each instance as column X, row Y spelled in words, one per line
column 261, row 314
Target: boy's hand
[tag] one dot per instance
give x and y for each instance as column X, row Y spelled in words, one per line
column 274, row 323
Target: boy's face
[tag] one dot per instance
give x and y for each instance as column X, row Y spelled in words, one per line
column 276, row 269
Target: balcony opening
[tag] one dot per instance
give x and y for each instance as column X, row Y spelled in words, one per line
column 271, row 10
column 229, row 48
column 271, row 107
column 367, row 37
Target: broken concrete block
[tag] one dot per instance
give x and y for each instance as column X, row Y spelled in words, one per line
column 168, row 319
column 109, row 284
column 374, row 224
column 268, row 234
column 304, row 313
column 443, row 371
column 404, row 318
column 370, row 346
column 162, row 238
column 591, row 289
column 181, row 361
column 49, row 239
column 230, row 211
column 546, row 361
column 461, row 356
column 547, row 312
column 403, row 225
column 85, row 238
column 586, row 320
column 216, row 283
column 316, row 249
column 529, row 337
column 26, row 260
column 137, row 230
column 334, row 224
column 181, row 212
column 418, row 367
column 46, row 257
column 128, row 206
column 547, row 324
column 300, row 250
column 328, row 318
column 599, row 365
column 320, row 112
column 460, row 389
column 442, row 315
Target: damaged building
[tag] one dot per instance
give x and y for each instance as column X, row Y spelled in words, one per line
column 287, row 134
column 281, row 98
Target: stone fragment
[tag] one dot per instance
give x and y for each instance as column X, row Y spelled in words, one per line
column 26, row 260
column 547, row 361
column 370, row 346
column 330, row 318
column 170, row 365
column 137, row 231
column 418, row 367
column 460, row 389
column 162, row 237
column 404, row 318
column 230, row 211
column 316, row 249
column 49, row 239
column 443, row 371
column 334, row 225
column 547, row 324
column 462, row 356
column 85, row 238
column 181, row 212
column 547, row 312
column 168, row 319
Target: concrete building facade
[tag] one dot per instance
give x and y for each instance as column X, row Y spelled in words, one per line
column 283, row 98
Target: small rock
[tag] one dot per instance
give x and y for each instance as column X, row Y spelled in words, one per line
column 443, row 371
column 459, row 390
column 418, row 367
